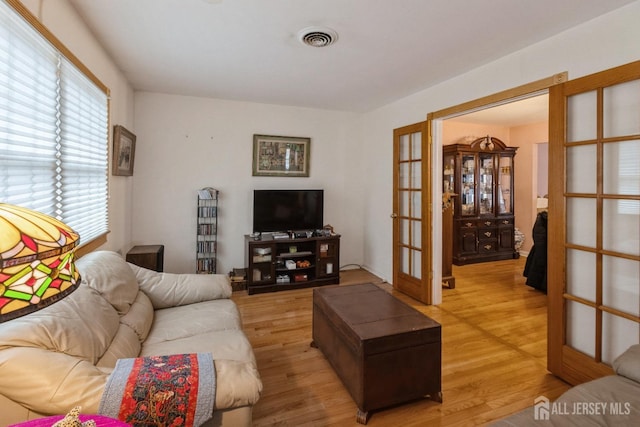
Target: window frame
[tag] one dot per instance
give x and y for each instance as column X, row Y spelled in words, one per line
column 19, row 8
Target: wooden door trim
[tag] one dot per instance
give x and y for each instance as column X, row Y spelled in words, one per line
column 525, row 89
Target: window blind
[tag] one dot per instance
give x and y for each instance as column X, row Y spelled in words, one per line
column 53, row 131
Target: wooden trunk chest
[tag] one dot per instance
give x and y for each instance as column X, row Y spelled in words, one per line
column 384, row 351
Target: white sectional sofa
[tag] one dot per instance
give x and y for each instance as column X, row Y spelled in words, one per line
column 613, row 400
column 62, row 356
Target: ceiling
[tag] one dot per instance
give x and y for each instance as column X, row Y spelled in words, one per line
column 248, row 50
column 517, row 113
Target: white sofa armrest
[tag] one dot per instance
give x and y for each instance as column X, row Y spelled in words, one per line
column 171, row 290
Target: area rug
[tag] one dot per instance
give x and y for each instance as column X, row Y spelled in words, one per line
column 173, row 390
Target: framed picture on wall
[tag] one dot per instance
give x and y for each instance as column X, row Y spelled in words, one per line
column 124, row 150
column 281, row 155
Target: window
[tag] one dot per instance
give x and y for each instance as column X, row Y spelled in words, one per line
column 53, row 129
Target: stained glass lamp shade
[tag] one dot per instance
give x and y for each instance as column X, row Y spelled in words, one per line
column 36, row 261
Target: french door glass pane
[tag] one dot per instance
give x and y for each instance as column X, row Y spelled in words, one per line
column 581, row 326
column 403, row 172
column 621, row 226
column 581, row 117
column 581, row 274
column 404, row 260
column 620, row 288
column 416, row 174
column 416, row 264
column 622, row 109
column 403, row 203
column 404, row 147
column 416, row 204
column 404, row 231
column 621, row 167
column 581, row 169
column 618, row 334
column 581, row 221
column 416, row 145
column 416, row 234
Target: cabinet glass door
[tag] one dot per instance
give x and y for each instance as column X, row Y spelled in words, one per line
column 486, row 184
column 468, row 184
column 448, row 177
column 504, row 185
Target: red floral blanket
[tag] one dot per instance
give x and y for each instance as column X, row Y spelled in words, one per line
column 174, row 390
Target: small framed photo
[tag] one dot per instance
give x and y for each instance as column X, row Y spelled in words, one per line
column 281, row 156
column 124, row 151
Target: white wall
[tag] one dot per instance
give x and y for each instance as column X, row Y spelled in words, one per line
column 63, row 21
column 602, row 43
column 186, row 143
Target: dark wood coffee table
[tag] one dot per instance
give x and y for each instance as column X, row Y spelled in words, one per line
column 384, row 351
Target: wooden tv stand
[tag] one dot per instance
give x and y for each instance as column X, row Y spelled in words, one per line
column 278, row 264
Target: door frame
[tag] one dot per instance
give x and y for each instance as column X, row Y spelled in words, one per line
column 436, row 118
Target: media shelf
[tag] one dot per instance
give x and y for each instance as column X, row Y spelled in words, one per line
column 277, row 264
column 207, row 229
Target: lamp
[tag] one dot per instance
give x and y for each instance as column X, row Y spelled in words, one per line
column 36, row 261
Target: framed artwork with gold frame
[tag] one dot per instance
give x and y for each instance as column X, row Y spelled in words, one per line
column 281, row 156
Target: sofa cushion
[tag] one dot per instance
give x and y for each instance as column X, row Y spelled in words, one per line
column 140, row 316
column 125, row 344
column 628, row 363
column 229, row 344
column 193, row 319
column 171, row 290
column 238, row 384
column 50, row 382
column 82, row 325
column 110, row 275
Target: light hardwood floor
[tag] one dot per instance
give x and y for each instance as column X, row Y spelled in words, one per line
column 493, row 353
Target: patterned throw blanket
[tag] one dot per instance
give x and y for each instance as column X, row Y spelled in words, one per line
column 174, row 390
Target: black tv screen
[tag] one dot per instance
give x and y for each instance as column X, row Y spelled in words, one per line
column 286, row 210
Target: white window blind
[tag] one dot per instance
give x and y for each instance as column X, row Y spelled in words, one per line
column 53, row 131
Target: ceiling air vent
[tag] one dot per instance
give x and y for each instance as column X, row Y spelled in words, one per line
column 318, row 36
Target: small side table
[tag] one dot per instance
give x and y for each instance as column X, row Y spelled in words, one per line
column 147, row 256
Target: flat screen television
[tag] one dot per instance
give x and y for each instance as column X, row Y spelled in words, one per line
column 286, row 210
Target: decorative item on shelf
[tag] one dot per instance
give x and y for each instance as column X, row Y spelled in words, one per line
column 290, row 264
column 447, row 200
column 518, row 238
column 303, row 264
column 466, row 139
column 486, row 143
column 36, row 261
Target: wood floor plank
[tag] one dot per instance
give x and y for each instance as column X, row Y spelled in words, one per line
column 493, row 353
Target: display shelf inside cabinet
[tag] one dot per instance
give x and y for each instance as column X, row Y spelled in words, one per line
column 480, row 175
column 207, row 230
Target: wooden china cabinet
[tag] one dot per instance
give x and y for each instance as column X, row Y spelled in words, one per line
column 481, row 176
